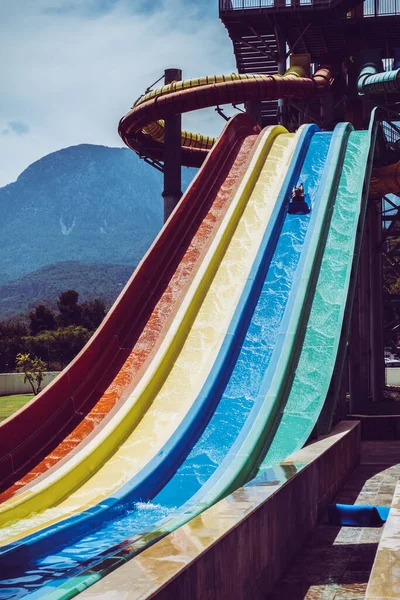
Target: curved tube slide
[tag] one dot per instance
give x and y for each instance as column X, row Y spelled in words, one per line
column 373, row 80
column 385, row 180
column 258, row 193
column 135, row 325
column 194, row 94
column 194, row 140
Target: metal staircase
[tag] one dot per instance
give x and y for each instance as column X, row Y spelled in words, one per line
column 256, row 52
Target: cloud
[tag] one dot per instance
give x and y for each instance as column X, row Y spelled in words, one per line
column 18, row 127
column 74, row 68
column 88, row 8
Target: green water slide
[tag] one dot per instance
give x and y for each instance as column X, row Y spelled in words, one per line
column 315, row 385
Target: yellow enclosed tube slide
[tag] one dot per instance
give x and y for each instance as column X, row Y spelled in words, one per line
column 196, row 140
column 181, row 366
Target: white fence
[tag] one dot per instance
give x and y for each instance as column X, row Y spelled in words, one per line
column 393, row 376
column 13, row 383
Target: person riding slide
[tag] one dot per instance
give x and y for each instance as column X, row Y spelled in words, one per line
column 298, row 205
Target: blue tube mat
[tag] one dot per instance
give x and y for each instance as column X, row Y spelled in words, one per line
column 357, row 516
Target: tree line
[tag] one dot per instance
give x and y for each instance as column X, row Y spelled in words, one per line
column 53, row 337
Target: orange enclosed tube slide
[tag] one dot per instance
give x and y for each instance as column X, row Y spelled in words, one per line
column 72, row 408
column 186, row 99
column 385, row 180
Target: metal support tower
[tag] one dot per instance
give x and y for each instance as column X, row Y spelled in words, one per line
column 366, row 347
column 254, row 108
column 376, row 302
column 172, row 153
column 281, row 44
column 359, row 344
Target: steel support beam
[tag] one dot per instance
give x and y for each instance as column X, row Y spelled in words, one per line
column 253, row 108
column 281, row 44
column 356, row 399
column 327, row 111
column 172, row 153
column 376, row 304
column 342, row 407
column 359, row 348
column 302, row 34
column 365, row 314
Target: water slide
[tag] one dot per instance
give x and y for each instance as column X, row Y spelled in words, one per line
column 372, row 79
column 49, row 431
column 266, row 267
column 67, row 413
column 142, row 129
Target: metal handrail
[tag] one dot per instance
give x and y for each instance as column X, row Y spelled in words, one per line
column 372, row 8
column 233, row 5
column 380, row 8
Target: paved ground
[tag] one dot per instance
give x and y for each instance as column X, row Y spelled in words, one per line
column 336, row 563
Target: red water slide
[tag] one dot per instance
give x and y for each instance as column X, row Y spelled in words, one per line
column 82, row 398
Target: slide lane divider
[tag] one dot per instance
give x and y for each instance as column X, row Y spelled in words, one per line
column 121, row 425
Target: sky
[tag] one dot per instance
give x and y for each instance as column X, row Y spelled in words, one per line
column 71, row 69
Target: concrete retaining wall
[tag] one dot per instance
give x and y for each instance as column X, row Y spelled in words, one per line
column 13, row 383
column 238, row 548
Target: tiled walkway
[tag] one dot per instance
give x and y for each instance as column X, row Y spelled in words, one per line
column 336, row 563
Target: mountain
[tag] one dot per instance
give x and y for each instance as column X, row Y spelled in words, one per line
column 85, row 203
column 91, row 280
